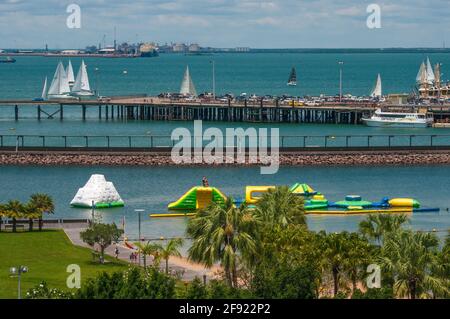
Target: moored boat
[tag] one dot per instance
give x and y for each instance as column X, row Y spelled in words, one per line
column 391, row 119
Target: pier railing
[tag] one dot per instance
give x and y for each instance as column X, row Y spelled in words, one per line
column 113, row 142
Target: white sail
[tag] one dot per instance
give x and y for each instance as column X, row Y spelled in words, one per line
column 187, row 86
column 430, row 73
column 81, row 86
column 377, row 91
column 422, row 74
column 70, row 75
column 44, row 90
column 60, row 84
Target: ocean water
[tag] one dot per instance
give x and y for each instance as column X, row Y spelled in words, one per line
column 260, row 73
column 153, row 188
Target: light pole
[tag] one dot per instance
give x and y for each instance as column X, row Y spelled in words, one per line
column 213, row 78
column 139, row 211
column 18, row 271
column 341, row 63
column 96, row 81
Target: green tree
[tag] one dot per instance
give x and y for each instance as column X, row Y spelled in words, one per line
column 171, row 249
column 3, row 213
column 149, row 249
column 196, row 290
column 14, row 210
column 335, row 253
column 101, row 234
column 41, row 204
column 222, row 233
column 411, row 257
column 376, row 226
column 280, row 206
column 358, row 257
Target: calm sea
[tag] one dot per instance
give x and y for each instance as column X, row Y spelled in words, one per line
column 260, row 73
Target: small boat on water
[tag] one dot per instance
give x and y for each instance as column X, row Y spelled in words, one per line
column 292, row 81
column 390, row 119
column 7, row 60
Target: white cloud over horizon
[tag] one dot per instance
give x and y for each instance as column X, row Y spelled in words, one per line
column 226, row 23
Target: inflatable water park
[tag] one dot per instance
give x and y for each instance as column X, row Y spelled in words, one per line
column 199, row 197
column 98, row 193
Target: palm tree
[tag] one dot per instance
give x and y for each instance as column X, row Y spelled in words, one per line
column 335, row 248
column 150, row 249
column 223, row 233
column 31, row 213
column 376, row 226
column 2, row 214
column 171, row 249
column 358, row 257
column 411, row 257
column 14, row 209
column 281, row 206
column 42, row 203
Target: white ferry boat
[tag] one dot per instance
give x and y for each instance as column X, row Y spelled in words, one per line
column 388, row 119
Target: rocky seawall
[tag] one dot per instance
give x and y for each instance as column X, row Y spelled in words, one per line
column 341, row 158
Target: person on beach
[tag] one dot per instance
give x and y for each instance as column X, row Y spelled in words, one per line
column 205, row 182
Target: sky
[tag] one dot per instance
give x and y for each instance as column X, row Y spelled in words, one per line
column 226, row 23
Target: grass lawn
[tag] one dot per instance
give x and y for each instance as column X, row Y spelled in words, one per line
column 47, row 255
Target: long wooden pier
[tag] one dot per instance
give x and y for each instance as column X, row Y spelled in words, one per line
column 154, row 108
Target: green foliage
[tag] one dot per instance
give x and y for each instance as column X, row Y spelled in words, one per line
column 196, row 290
column 42, row 291
column 222, row 233
column 131, row 284
column 377, row 226
column 279, row 206
column 101, row 234
column 412, row 259
column 374, row 293
column 284, row 281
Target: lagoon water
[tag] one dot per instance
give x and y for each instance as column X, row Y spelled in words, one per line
column 153, row 188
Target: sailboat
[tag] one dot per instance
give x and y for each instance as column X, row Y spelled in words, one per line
column 430, row 74
column 70, row 75
column 44, row 92
column 81, row 86
column 187, row 85
column 59, row 89
column 377, row 92
column 292, row 81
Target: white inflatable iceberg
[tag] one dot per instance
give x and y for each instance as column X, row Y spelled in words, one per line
column 98, row 191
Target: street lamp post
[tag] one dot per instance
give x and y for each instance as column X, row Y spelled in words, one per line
column 18, row 271
column 139, row 211
column 341, row 63
column 96, row 81
column 214, row 78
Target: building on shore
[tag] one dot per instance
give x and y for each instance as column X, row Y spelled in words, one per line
column 148, row 50
column 429, row 82
column 179, row 48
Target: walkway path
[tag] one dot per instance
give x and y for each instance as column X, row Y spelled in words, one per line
column 185, row 268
